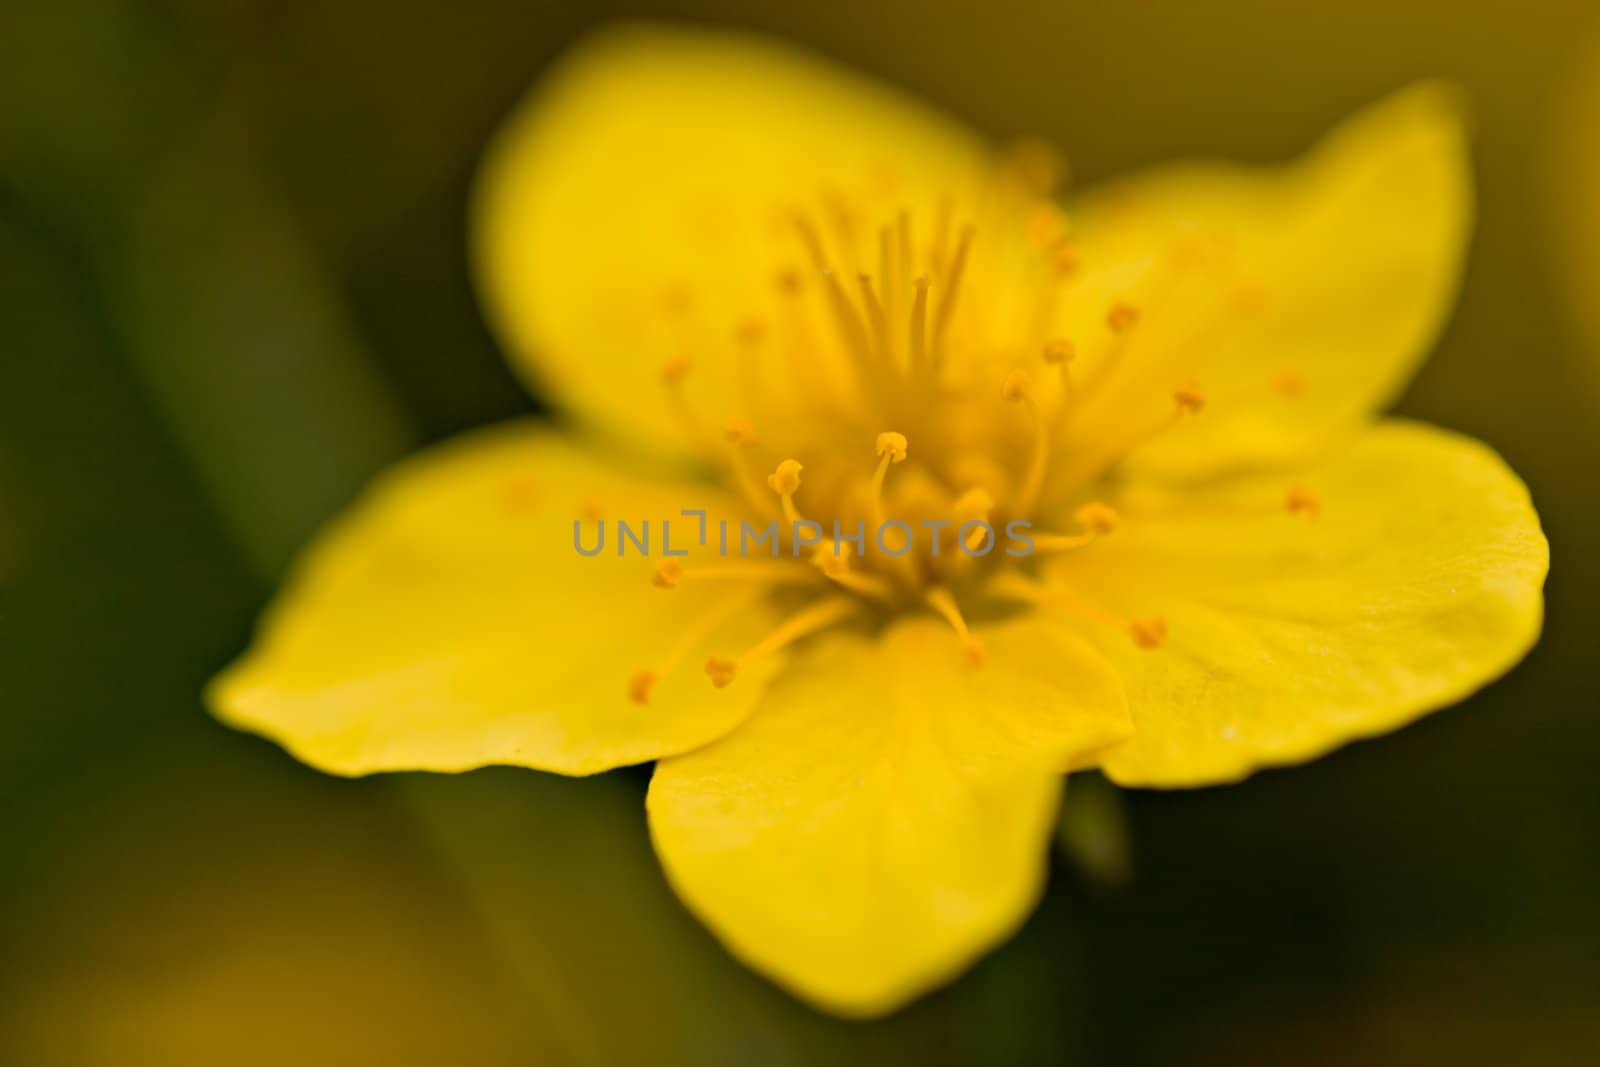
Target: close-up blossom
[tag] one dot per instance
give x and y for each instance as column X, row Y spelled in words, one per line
column 1182, row 543
column 696, row 532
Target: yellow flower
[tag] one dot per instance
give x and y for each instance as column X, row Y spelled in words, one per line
column 769, row 289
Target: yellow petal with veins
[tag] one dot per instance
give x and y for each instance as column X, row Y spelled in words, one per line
column 1417, row 581
column 1302, row 298
column 884, row 817
column 639, row 204
column 448, row 621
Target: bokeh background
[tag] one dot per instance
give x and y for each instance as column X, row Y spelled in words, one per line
column 233, row 285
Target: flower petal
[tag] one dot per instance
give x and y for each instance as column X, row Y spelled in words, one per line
column 637, row 206
column 448, row 621
column 1419, row 580
column 884, row 817
column 1301, row 300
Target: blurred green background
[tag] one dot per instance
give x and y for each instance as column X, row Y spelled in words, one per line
column 233, row 285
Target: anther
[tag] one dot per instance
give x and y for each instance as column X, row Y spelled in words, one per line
column 785, row 481
column 1122, row 317
column 1148, row 633
column 750, row 331
column 1040, row 165
column 641, row 684
column 1097, row 518
column 1067, row 260
column 1016, row 387
column 740, row 432
column 891, row 445
column 1059, row 351
column 818, row 615
column 1302, row 501
column 667, row 574
column 1047, row 225
column 721, row 671
column 1189, row 397
column 675, row 368
column 1289, row 383
column 677, row 300
column 520, row 495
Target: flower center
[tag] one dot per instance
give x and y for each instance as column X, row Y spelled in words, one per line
column 907, row 402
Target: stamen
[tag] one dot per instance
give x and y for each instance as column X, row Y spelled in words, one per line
column 669, row 572
column 785, row 481
column 677, row 300
column 939, row 599
column 1047, row 225
column 1289, row 383
column 1302, row 501
column 1122, row 317
column 643, row 681
column 975, row 505
column 848, row 323
column 1059, row 352
column 902, row 226
column 876, row 316
column 941, row 232
column 1068, row 260
column 818, row 615
column 1190, row 397
column 1058, row 356
column 1096, row 519
column 666, row 574
column 833, row 560
column 947, row 297
column 641, row 684
column 844, row 222
column 1149, row 632
column 674, row 369
column 520, row 495
column 1040, row 165
column 890, row 304
column 748, row 338
column 919, row 327
column 890, row 448
column 740, row 434
column 1018, row 389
